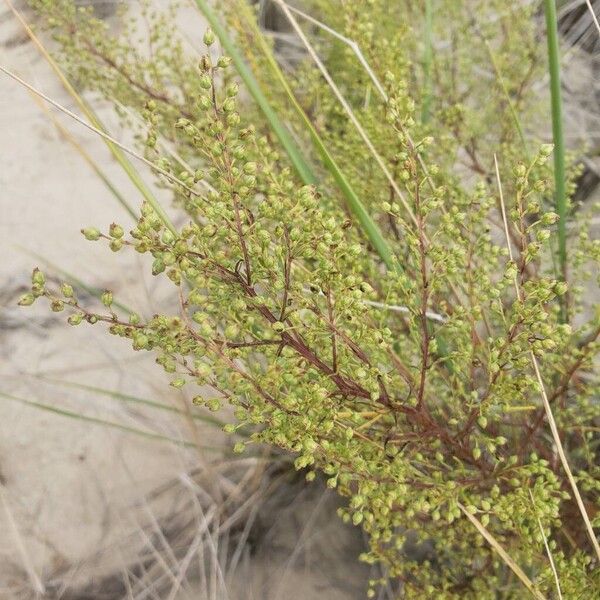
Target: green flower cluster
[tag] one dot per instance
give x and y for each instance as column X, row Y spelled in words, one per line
column 412, row 389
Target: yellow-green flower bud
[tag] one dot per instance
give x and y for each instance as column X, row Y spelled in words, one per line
column 106, row 298
column 91, row 234
column 57, row 305
column 549, row 218
column 26, row 300
column 229, row 105
column 214, row 404
column 66, row 290
column 205, row 82
column 116, row 245
column 158, row 266
column 75, row 319
column 140, row 341
column 209, row 37
column 37, row 277
column 561, row 288
column 116, row 231
column 520, row 170
column 204, row 102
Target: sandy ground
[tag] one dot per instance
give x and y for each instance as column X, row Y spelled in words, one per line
column 84, row 506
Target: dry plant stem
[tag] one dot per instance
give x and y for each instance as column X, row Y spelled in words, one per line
column 545, row 401
column 548, row 552
column 369, row 70
column 502, row 552
column 102, row 134
column 84, row 154
column 348, row 109
column 594, row 17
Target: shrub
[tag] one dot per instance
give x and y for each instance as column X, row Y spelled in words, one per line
column 408, row 361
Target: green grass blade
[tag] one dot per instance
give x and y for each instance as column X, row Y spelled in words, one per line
column 560, row 186
column 300, row 164
column 128, row 398
column 63, row 412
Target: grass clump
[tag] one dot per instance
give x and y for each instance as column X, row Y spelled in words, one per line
column 419, row 383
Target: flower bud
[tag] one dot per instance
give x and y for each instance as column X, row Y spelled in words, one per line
column 66, row 290
column 91, row 234
column 520, row 170
column 204, row 102
column 37, row 277
column 549, row 218
column 57, row 305
column 26, row 300
column 543, row 235
column 209, row 37
column 233, row 119
column 205, row 82
column 140, row 341
column 278, row 326
column 116, row 245
column 75, row 319
column 223, row 62
column 232, row 90
column 158, row 266
column 229, row 105
column 250, row 168
column 106, row 298
column 116, row 231
column 561, row 288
